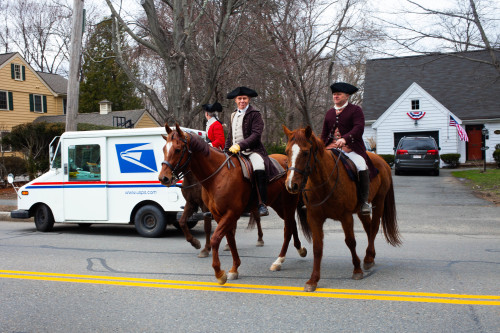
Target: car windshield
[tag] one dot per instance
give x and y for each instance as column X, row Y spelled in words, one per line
column 417, row 144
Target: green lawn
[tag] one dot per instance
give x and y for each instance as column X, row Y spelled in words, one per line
column 488, row 181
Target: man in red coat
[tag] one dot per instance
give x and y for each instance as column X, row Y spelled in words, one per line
column 214, row 129
column 245, row 135
column 343, row 128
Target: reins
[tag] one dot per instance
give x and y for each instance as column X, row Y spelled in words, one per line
column 179, row 174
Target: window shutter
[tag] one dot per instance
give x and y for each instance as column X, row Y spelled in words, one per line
column 12, row 71
column 32, row 103
column 44, row 104
column 11, row 101
column 24, row 73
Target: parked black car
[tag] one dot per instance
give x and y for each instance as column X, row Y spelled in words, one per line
column 417, row 153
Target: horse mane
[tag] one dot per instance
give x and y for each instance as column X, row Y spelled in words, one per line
column 198, row 145
column 300, row 138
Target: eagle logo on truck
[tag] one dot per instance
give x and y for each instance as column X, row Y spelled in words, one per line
column 136, row 157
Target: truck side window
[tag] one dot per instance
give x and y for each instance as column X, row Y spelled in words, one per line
column 84, row 162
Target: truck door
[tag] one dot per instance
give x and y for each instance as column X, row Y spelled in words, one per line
column 84, row 186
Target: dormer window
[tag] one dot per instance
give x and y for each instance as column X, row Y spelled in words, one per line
column 415, row 104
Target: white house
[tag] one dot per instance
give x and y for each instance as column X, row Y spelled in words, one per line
column 417, row 95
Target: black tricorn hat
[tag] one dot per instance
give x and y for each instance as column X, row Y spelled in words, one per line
column 343, row 88
column 216, row 107
column 242, row 91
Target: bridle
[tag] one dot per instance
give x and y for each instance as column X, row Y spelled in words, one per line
column 313, row 151
column 179, row 171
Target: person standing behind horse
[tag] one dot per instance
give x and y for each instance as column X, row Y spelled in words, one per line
column 245, row 136
column 215, row 132
column 343, row 128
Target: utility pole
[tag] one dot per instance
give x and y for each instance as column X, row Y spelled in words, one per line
column 74, row 65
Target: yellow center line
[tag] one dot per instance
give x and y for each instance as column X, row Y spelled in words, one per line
column 400, row 296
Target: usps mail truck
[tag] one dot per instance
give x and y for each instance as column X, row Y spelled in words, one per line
column 108, row 176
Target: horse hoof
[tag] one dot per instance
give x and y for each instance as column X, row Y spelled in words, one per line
column 260, row 243
column 302, row 252
column 309, row 288
column 357, row 276
column 203, row 254
column 232, row 276
column 226, row 248
column 275, row 267
column 223, row 279
column 368, row 265
column 196, row 243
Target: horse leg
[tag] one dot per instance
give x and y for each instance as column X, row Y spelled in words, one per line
column 372, row 231
column 207, row 226
column 189, row 209
column 233, row 272
column 317, row 235
column 350, row 240
column 260, row 234
column 224, row 226
column 227, row 247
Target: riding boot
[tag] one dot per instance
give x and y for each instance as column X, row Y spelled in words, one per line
column 261, row 182
column 364, row 187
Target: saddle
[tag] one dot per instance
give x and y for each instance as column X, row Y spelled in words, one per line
column 247, row 168
column 349, row 165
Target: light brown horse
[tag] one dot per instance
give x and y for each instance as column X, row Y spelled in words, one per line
column 329, row 193
column 226, row 193
column 192, row 193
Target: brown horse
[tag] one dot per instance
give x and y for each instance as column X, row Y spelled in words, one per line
column 226, row 193
column 192, row 192
column 329, row 193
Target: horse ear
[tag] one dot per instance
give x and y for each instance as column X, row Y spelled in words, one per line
column 167, row 128
column 178, row 128
column 165, row 137
column 288, row 133
column 308, row 131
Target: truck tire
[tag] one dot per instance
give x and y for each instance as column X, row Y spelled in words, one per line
column 44, row 220
column 150, row 221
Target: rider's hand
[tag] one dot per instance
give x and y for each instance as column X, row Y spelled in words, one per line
column 235, row 148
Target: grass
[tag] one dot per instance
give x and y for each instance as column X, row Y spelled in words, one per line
column 486, row 183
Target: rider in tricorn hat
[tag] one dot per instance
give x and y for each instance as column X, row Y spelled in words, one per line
column 245, row 136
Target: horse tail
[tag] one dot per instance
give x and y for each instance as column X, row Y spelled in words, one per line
column 252, row 222
column 302, row 214
column 389, row 220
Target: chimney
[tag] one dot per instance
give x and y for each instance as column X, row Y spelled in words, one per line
column 105, row 107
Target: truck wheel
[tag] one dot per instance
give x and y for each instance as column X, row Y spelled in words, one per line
column 44, row 220
column 150, row 221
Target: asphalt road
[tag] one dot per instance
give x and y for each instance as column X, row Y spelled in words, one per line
column 108, row 279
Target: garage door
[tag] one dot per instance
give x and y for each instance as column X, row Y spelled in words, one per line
column 398, row 136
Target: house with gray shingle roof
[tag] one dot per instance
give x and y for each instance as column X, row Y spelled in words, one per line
column 418, row 95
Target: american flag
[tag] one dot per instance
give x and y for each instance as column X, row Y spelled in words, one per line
column 461, row 132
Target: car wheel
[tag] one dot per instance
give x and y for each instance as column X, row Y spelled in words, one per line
column 150, row 221
column 397, row 172
column 44, row 220
column 436, row 172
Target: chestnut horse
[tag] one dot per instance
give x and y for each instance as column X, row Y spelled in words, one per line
column 328, row 192
column 192, row 192
column 226, row 193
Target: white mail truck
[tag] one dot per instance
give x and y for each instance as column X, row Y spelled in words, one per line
column 108, row 176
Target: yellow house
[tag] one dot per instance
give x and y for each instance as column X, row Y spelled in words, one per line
column 26, row 94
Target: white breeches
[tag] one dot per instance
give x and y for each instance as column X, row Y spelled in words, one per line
column 257, row 161
column 358, row 160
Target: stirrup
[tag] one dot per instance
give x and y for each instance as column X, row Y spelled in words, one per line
column 263, row 210
column 365, row 208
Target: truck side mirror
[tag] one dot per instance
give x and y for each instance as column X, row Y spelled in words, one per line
column 10, row 178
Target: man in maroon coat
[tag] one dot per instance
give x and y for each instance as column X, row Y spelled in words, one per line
column 245, row 136
column 343, row 128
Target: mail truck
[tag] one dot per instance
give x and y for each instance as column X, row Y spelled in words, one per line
column 108, row 176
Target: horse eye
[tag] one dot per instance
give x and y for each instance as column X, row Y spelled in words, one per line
column 177, row 150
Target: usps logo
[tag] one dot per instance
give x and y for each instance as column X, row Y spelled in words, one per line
column 136, row 157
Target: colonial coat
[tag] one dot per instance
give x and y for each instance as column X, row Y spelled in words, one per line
column 253, row 126
column 351, row 125
column 215, row 134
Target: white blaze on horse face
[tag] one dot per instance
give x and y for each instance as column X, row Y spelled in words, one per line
column 295, row 153
column 169, row 145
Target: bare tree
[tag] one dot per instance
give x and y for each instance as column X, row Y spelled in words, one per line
column 470, row 25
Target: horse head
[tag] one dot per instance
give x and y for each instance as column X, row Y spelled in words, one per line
column 302, row 149
column 176, row 156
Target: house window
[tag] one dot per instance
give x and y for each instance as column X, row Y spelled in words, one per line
column 17, row 72
column 4, row 147
column 415, row 104
column 4, row 102
column 38, row 103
